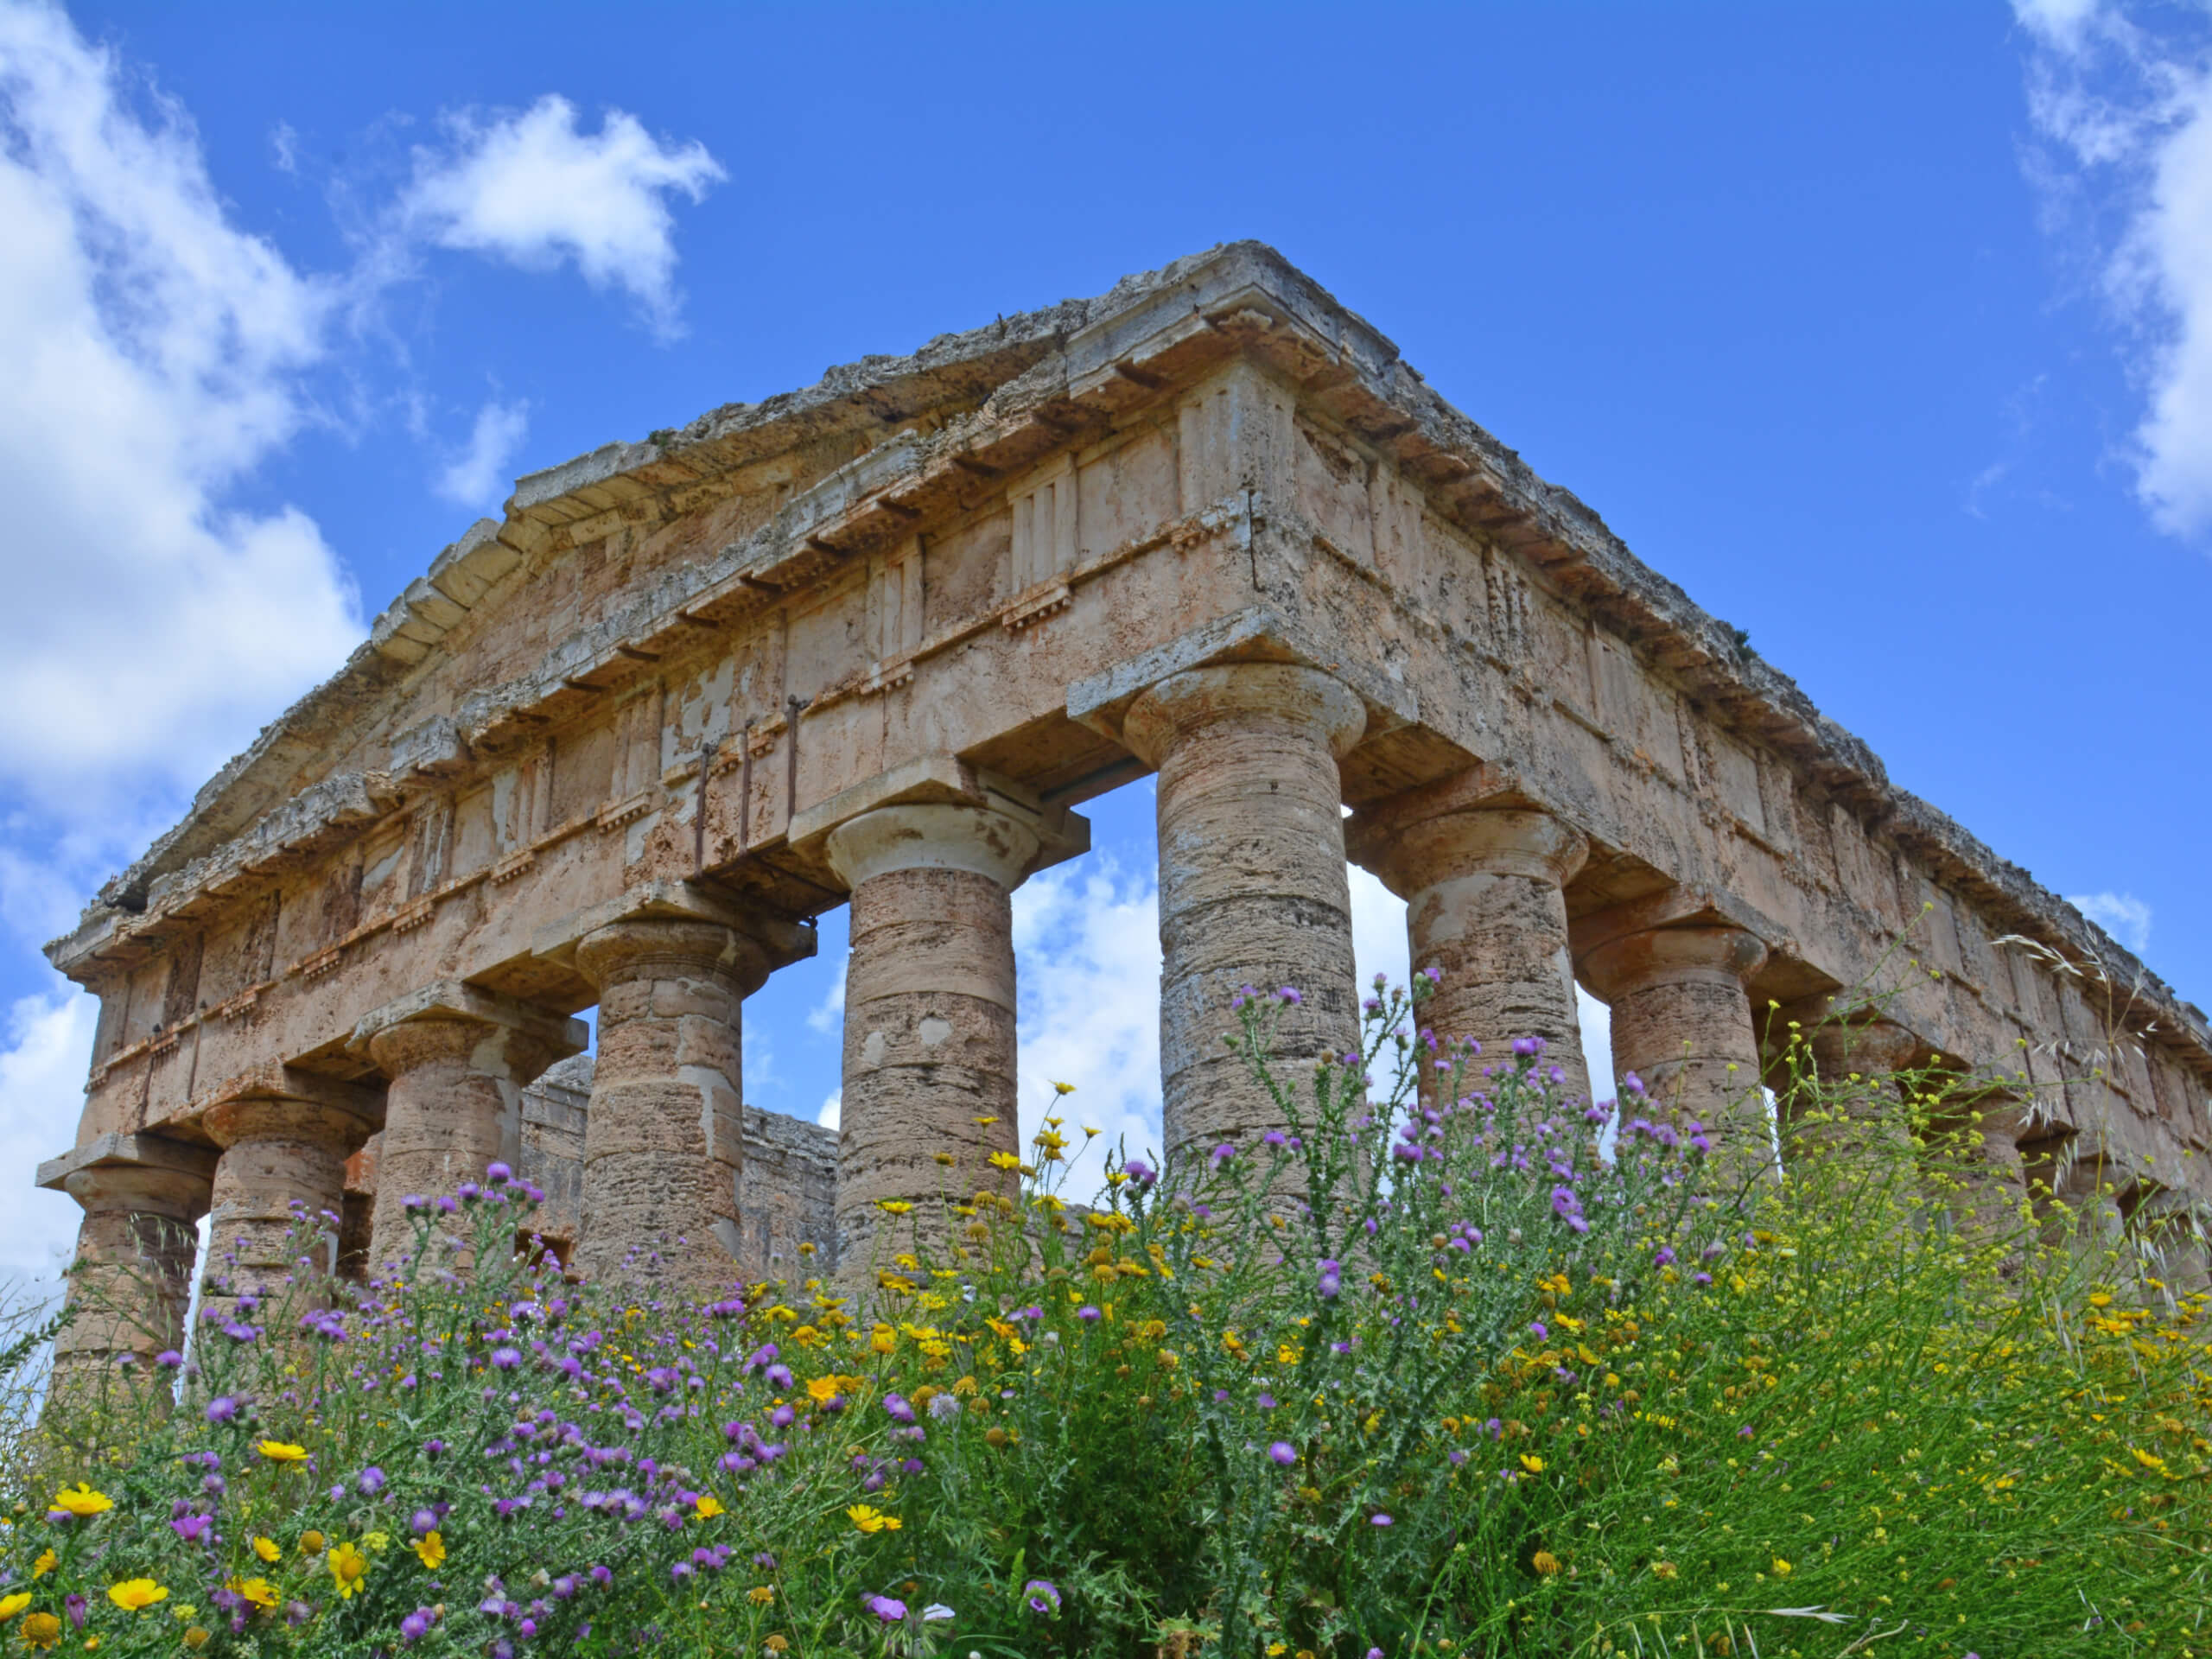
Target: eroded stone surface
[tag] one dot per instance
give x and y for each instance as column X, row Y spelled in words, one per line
column 663, row 1145
column 1486, row 910
column 931, row 1084
column 1252, row 883
column 1683, row 1026
column 1038, row 553
column 278, row 1196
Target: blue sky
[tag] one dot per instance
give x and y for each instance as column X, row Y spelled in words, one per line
column 1884, row 330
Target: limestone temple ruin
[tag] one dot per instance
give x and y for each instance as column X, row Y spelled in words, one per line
column 873, row 643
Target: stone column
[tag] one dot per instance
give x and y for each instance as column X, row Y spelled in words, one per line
column 131, row 1281
column 279, row 1151
column 457, row 1059
column 1252, row 883
column 1832, row 1041
column 930, row 1042
column 664, row 1140
column 1483, row 883
column 1982, row 1177
column 1682, row 1024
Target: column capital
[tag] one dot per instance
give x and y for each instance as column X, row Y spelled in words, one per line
column 1445, row 830
column 934, row 837
column 1276, row 694
column 1681, row 954
column 645, row 945
column 776, row 938
column 111, row 1161
column 449, row 1019
column 283, row 1102
column 135, row 1174
column 946, row 781
column 1850, row 1034
column 276, row 1117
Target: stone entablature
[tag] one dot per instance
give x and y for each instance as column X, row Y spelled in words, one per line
column 992, row 580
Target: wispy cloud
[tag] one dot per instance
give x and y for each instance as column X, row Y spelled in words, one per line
column 2123, row 916
column 1086, row 939
column 480, row 475
column 535, row 189
column 2122, row 112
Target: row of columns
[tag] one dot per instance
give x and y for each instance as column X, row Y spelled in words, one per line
column 1253, row 890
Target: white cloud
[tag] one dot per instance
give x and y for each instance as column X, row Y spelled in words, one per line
column 1086, row 940
column 828, row 1015
column 153, row 355
column 481, row 475
column 534, row 190
column 150, row 355
column 2124, row 115
column 2123, row 916
column 41, row 1092
column 2058, row 20
column 832, row 1112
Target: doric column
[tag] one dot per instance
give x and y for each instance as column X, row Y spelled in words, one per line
column 131, row 1280
column 1816, row 1047
column 1982, row 1177
column 457, row 1059
column 285, row 1144
column 1483, row 882
column 1252, row 883
column 930, row 1041
column 664, row 1141
column 1682, row 1024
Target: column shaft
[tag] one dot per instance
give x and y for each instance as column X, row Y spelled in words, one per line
column 458, row 1059
column 929, row 1051
column 1819, row 1045
column 1252, row 882
column 279, row 1188
column 1682, row 1025
column 663, row 1142
column 131, row 1281
column 1486, row 910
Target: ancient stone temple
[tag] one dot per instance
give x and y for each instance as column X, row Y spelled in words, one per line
column 873, row 643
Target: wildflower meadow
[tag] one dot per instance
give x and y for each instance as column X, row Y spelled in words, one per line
column 1462, row 1369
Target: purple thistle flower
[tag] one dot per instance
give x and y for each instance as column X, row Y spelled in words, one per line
column 497, row 1174
column 1088, row 1315
column 370, row 1480
column 1380, row 1519
column 1290, row 996
column 222, row 1408
column 1283, row 1452
column 415, row 1625
column 897, row 1408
